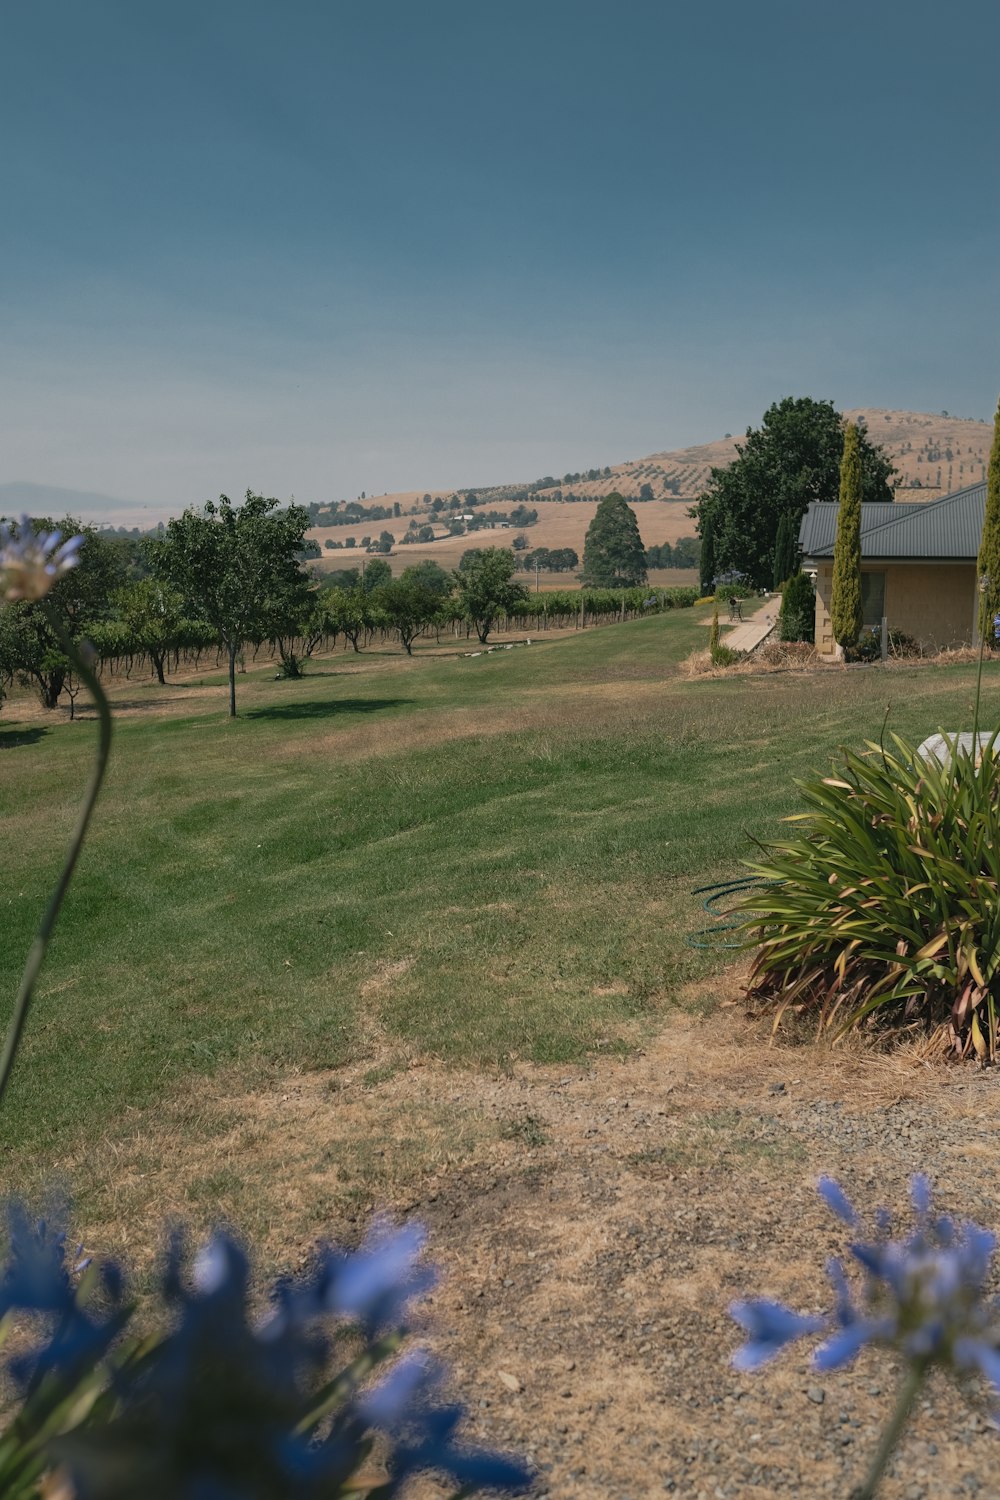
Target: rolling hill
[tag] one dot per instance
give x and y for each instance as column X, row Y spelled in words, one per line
column 933, row 454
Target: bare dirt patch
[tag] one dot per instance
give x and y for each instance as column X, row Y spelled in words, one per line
column 593, row 1223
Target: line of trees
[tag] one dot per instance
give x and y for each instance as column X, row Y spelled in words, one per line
column 550, row 560
column 228, row 580
column 685, row 553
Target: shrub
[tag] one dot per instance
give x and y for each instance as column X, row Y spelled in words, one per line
column 797, row 621
column 725, row 656
column 884, row 911
column 869, row 646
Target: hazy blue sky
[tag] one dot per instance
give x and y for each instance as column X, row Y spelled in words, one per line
column 320, row 246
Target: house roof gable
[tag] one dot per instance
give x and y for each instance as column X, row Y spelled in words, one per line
column 948, row 529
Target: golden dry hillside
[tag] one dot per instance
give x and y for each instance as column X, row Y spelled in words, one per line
column 936, row 454
column 933, row 454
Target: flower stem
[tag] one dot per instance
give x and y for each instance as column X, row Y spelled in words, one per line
column 37, row 953
column 890, row 1437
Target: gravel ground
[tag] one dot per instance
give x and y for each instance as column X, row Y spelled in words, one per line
column 594, row 1225
column 591, row 1262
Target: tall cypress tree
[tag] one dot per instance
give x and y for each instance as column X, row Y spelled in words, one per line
column 780, row 548
column 786, row 550
column 613, row 554
column 988, row 566
column 706, row 562
column 845, row 603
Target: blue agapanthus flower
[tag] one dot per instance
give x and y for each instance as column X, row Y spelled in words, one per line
column 923, row 1296
column 31, row 561
column 38, row 1280
column 423, row 1432
column 227, row 1403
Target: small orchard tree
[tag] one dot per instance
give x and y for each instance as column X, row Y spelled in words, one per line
column 430, row 575
column 486, row 589
column 377, row 573
column 347, row 612
column 845, row 602
column 237, row 567
column 613, row 554
column 988, row 566
column 407, row 606
column 150, row 613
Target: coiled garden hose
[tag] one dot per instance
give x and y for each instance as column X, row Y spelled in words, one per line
column 711, row 937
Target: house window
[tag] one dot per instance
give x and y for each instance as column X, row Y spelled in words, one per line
column 872, row 598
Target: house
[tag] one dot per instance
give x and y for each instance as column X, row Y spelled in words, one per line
column 918, row 566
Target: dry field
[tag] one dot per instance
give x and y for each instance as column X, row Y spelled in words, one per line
column 558, row 525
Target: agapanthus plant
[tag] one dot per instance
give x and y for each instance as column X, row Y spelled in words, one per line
column 924, row 1296
column 229, row 1396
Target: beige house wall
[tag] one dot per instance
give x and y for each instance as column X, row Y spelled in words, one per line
column 936, row 603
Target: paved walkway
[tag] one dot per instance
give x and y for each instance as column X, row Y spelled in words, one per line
column 748, row 636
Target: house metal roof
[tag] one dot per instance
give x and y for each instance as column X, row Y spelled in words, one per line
column 946, row 529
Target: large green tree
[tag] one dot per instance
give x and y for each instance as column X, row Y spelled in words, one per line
column 791, row 459
column 486, row 589
column 613, row 554
column 988, row 566
column 845, row 599
column 237, row 566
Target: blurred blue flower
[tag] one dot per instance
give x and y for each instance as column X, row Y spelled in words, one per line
column 36, row 1281
column 836, row 1200
column 378, row 1283
column 423, row 1433
column 224, row 1404
column 770, row 1326
column 924, row 1296
column 30, row 561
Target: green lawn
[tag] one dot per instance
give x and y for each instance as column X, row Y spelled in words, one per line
column 483, row 859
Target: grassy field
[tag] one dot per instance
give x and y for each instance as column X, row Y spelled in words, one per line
column 482, row 861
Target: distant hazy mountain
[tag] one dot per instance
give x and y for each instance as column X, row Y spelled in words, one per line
column 20, row 495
